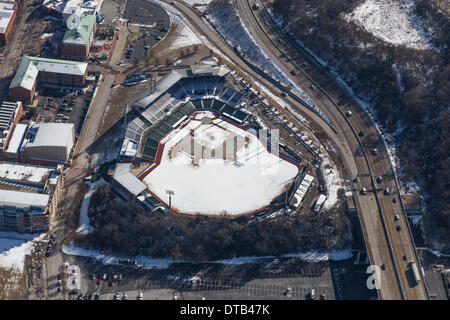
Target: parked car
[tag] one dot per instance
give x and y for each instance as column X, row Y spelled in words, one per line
column 293, row 72
column 397, row 217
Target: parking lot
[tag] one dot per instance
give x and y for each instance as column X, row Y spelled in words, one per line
column 146, row 13
column 139, row 48
column 64, row 105
column 154, row 24
column 286, row 278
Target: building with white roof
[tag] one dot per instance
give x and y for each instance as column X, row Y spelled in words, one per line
column 49, row 72
column 8, row 11
column 23, row 211
column 49, row 143
column 127, row 181
column 12, row 152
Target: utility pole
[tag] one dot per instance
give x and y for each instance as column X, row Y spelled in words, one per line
column 170, row 193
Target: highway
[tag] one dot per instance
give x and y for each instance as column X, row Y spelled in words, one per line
column 373, row 209
column 376, row 211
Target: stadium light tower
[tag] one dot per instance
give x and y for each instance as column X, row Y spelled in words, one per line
column 170, row 193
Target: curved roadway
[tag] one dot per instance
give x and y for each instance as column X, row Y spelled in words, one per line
column 376, row 211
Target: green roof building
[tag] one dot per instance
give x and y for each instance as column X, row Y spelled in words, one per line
column 47, row 72
column 77, row 41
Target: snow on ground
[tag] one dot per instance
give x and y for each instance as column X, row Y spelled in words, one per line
column 17, row 246
column 185, row 37
column 236, row 34
column 282, row 103
column 109, row 149
column 333, row 182
column 392, row 21
column 84, row 225
column 416, row 220
column 149, row 262
column 201, row 5
column 214, row 185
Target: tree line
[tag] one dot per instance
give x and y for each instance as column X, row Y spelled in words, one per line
column 124, row 228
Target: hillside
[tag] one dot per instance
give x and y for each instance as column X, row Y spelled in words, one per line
column 394, row 55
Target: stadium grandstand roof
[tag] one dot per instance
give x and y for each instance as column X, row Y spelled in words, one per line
column 126, row 179
column 173, row 77
column 29, row 68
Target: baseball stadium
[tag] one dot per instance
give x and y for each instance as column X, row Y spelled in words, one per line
column 204, row 153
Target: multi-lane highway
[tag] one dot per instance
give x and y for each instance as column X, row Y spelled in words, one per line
column 387, row 246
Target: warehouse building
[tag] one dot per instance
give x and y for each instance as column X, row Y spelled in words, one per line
column 77, row 42
column 48, row 143
column 8, row 12
column 10, row 114
column 45, row 71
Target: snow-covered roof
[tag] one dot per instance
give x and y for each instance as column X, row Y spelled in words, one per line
column 51, row 134
column 126, row 179
column 72, row 6
column 17, row 137
column 6, row 12
column 23, row 199
column 23, row 173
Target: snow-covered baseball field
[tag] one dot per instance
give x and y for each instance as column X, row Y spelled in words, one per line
column 210, row 179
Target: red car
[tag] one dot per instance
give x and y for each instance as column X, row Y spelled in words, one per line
column 293, row 73
column 99, row 282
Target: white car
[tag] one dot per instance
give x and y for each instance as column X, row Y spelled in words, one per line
column 397, row 217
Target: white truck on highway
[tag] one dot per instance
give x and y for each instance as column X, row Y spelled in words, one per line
column 414, row 272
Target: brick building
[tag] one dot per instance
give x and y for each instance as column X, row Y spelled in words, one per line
column 35, row 71
column 77, row 42
column 8, row 13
